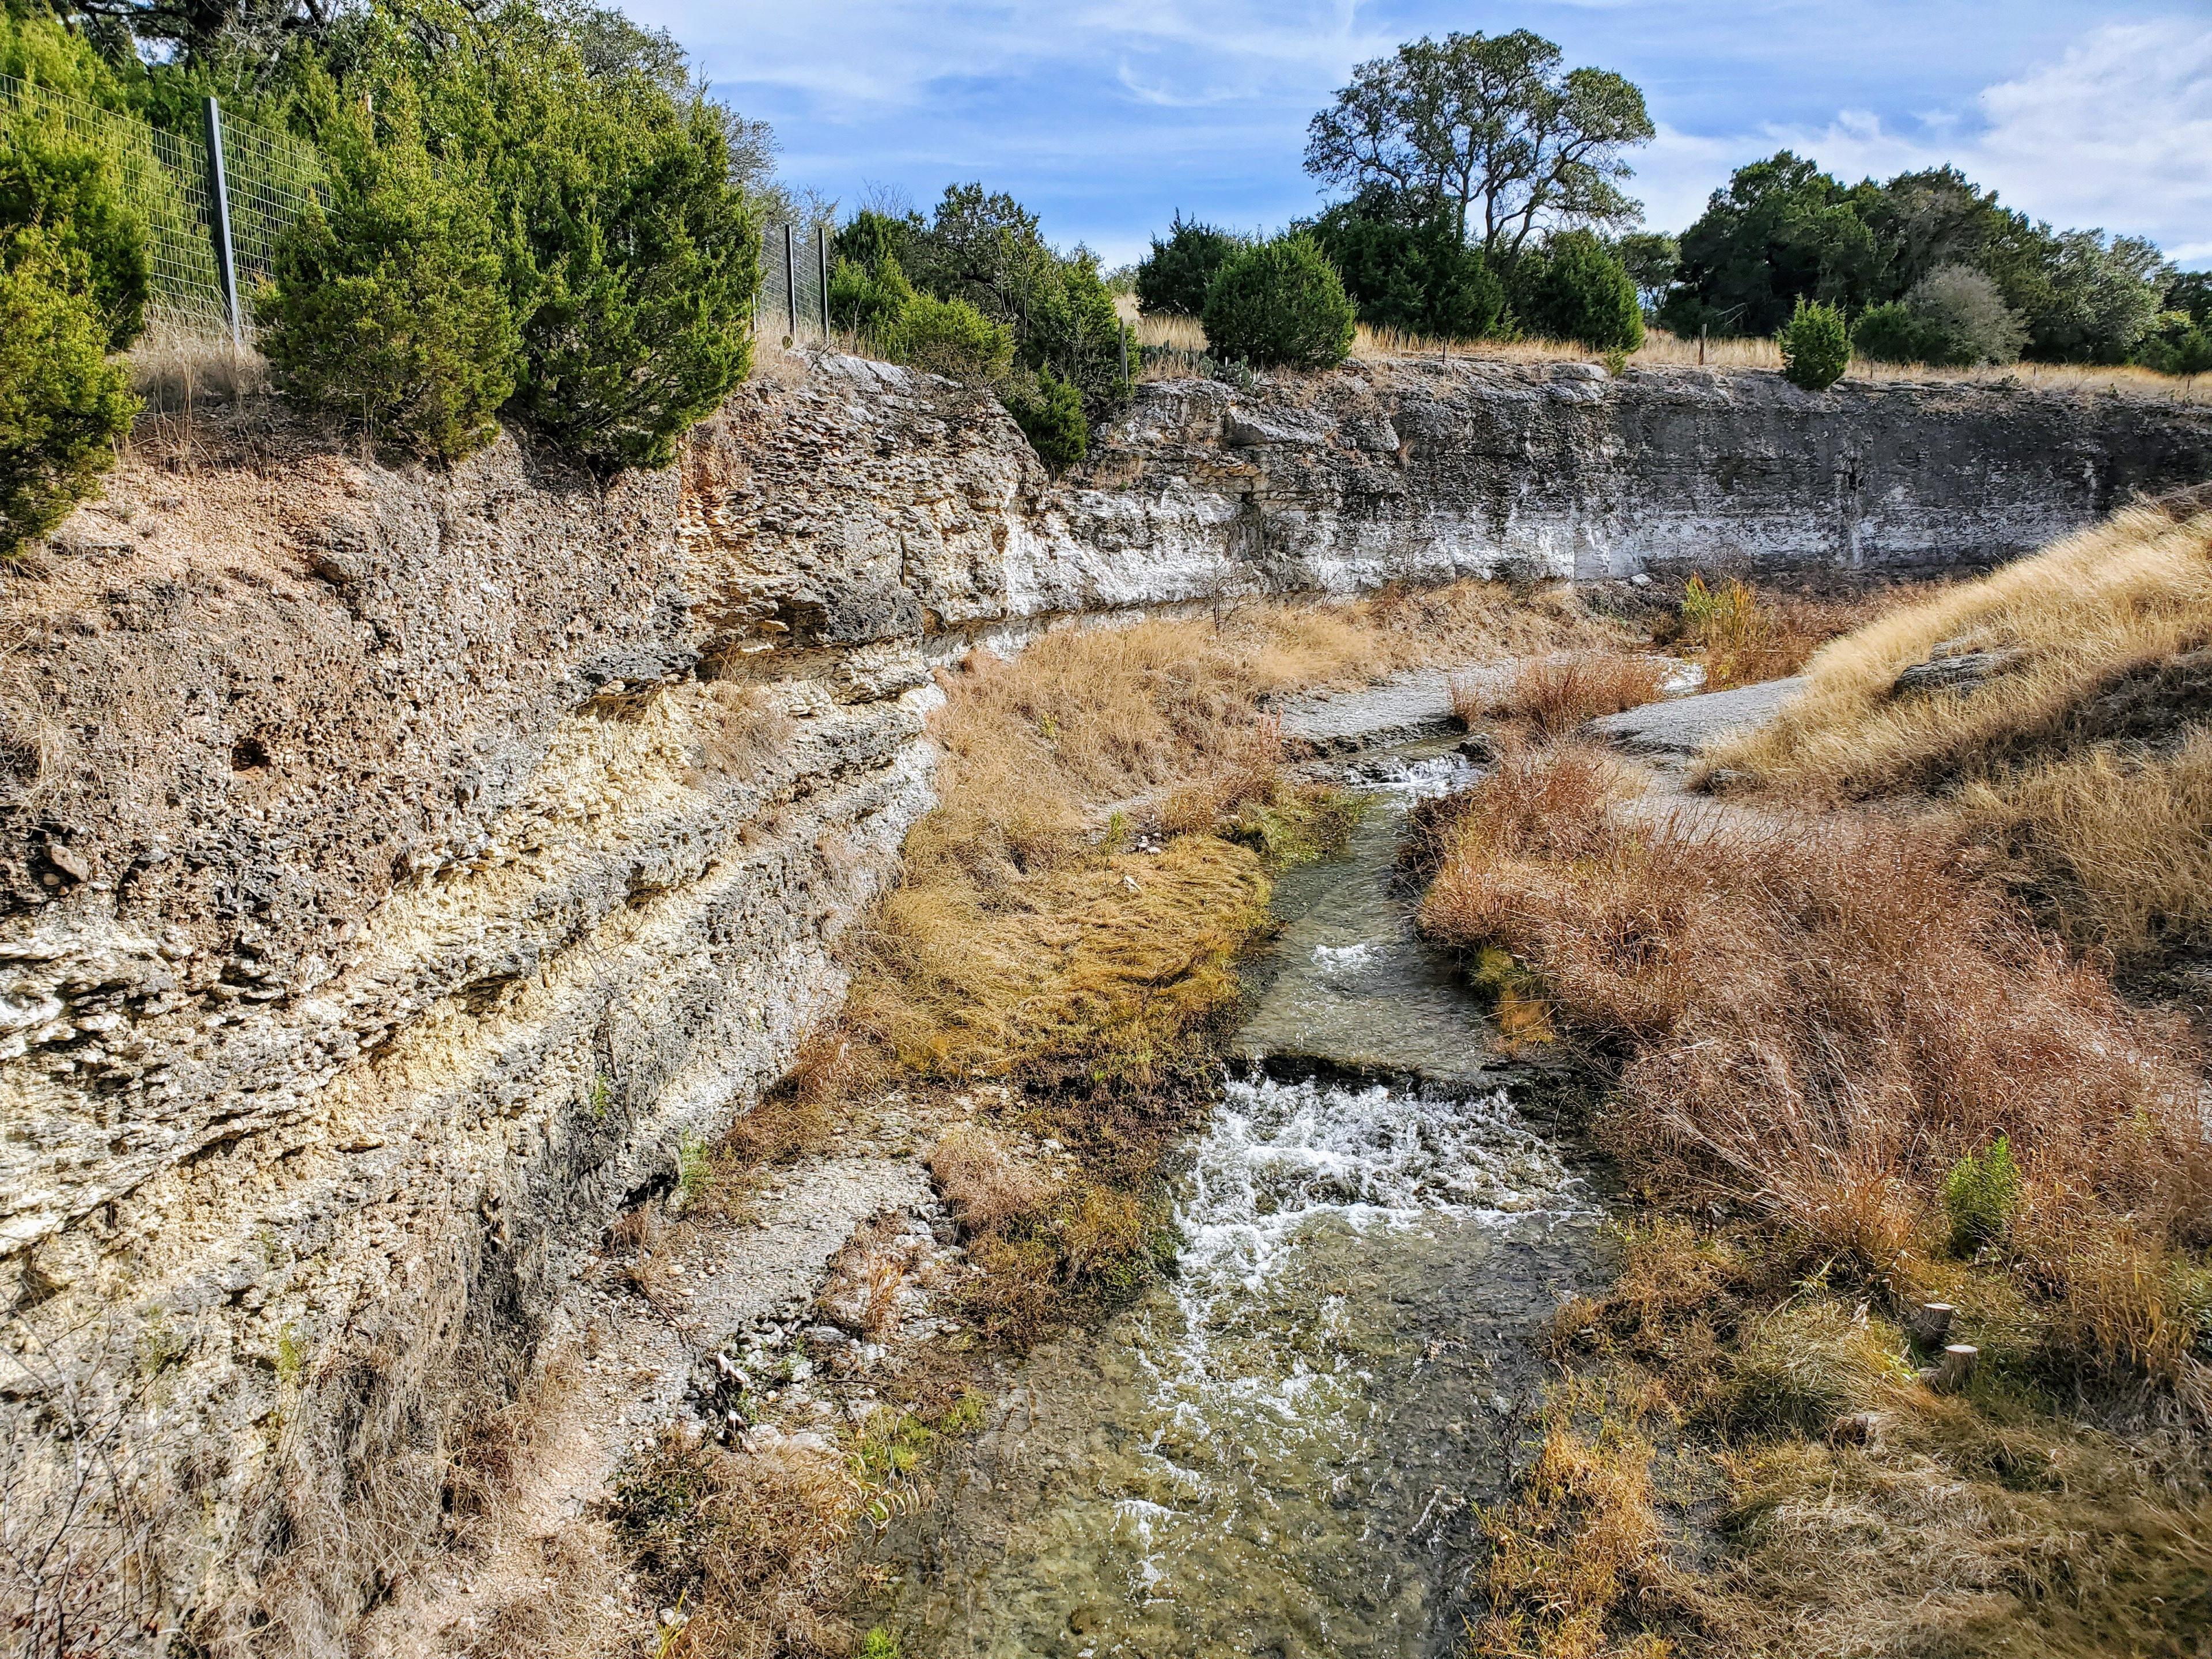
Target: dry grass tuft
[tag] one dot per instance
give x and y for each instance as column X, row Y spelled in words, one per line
column 990, row 1190
column 750, row 1545
column 2083, row 752
column 1813, row 1020
column 1557, row 694
column 1579, row 1566
column 1745, row 635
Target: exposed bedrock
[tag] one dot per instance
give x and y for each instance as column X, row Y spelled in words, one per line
column 397, row 869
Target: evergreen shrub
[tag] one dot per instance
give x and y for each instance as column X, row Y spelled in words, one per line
column 1576, row 288
column 1816, row 346
column 63, row 403
column 1279, row 304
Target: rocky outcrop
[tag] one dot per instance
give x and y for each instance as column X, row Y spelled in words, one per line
column 1426, row 471
column 401, row 870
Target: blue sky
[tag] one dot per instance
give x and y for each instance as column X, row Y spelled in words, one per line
column 1105, row 116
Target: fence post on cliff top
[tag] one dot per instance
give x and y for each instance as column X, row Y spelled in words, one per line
column 822, row 271
column 790, row 290
column 226, row 264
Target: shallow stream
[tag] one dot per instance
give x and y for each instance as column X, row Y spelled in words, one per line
column 1278, row 1450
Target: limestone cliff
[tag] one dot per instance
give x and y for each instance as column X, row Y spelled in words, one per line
column 398, row 869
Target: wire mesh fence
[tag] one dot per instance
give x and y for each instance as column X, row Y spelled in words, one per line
column 269, row 179
column 794, row 298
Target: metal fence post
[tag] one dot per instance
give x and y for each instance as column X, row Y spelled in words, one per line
column 822, row 269
column 219, row 221
column 790, row 287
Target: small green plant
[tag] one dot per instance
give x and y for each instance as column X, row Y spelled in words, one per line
column 694, row 1166
column 62, row 404
column 291, row 1357
column 1116, row 838
column 1279, row 305
column 877, row 1643
column 1981, row 1194
column 159, row 1346
column 1050, row 411
column 600, row 1096
column 1816, row 346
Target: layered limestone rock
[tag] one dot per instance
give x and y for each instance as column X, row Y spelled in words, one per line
column 401, row 870
column 1424, row 472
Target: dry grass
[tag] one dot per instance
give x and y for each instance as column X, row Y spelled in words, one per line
column 990, row 1190
column 1810, row 1021
column 1579, row 1563
column 1021, row 943
column 1557, row 693
column 750, row 1545
column 2081, row 757
column 1662, row 349
column 1744, row 634
column 1863, row 1513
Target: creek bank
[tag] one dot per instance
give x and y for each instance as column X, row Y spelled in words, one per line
column 401, row 869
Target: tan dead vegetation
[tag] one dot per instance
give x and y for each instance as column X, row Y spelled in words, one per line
column 1864, row 1513
column 2082, row 759
column 1811, row 1020
column 1743, row 632
column 1662, row 349
column 743, row 730
column 1556, row 694
column 1025, row 938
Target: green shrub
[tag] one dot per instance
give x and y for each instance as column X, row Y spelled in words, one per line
column 869, row 301
column 1893, row 333
column 1954, row 317
column 72, row 191
column 1576, row 289
column 1050, row 411
column 952, row 338
column 2176, row 344
column 1816, row 346
column 1407, row 269
column 1279, row 305
column 62, row 404
column 647, row 264
column 1981, row 1194
column 1173, row 278
column 869, row 237
column 393, row 307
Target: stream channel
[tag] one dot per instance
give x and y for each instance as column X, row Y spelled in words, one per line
column 1278, row 1450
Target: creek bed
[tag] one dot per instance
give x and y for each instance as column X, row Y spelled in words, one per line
column 1279, row 1450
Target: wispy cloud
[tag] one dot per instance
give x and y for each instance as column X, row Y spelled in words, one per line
column 2117, row 132
column 1107, row 115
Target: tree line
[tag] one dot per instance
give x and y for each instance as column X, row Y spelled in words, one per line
column 1484, row 196
column 531, row 211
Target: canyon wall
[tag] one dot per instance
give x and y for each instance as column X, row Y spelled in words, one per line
column 400, row 871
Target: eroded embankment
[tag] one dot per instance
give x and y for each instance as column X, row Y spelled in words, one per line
column 402, row 871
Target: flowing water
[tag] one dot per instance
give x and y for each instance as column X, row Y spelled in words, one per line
column 1279, row 1451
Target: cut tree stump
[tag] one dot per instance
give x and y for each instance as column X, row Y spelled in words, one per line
column 1958, row 1365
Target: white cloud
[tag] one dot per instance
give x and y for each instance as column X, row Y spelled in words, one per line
column 2117, row 133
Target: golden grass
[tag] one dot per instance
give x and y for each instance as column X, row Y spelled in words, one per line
column 1578, row 1554
column 1744, row 634
column 1863, row 1513
column 1024, row 941
column 1810, row 1020
column 2082, row 758
column 1556, row 694
column 1663, row 350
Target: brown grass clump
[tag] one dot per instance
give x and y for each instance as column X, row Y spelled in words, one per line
column 1556, row 694
column 1579, row 1564
column 2083, row 752
column 749, row 1545
column 1745, row 635
column 990, row 1190
column 1814, row 1020
column 2132, row 592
